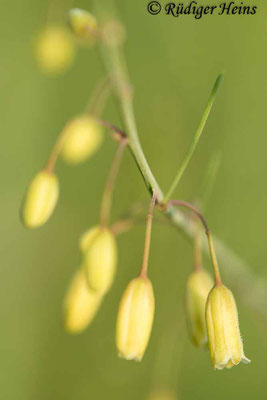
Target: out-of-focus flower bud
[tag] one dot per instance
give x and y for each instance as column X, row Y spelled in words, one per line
column 81, row 304
column 83, row 24
column 135, row 319
column 87, row 238
column 100, row 259
column 40, row 200
column 225, row 343
column 198, row 287
column 54, row 49
column 162, row 394
column 83, row 138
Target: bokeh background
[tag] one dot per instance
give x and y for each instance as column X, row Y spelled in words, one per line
column 173, row 64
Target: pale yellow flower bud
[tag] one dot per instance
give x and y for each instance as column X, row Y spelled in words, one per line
column 83, row 24
column 198, row 287
column 81, row 304
column 161, row 394
column 40, row 199
column 54, row 49
column 83, row 138
column 135, row 319
column 100, row 259
column 87, row 238
column 225, row 343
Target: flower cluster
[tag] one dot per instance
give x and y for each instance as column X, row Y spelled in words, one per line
column 209, row 305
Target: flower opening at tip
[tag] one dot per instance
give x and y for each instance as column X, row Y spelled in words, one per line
column 225, row 342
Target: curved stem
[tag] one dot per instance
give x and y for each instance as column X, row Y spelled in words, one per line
column 109, row 188
column 194, row 143
column 197, row 246
column 181, row 203
column 218, row 280
column 143, row 271
column 190, row 206
column 121, row 226
column 56, row 150
column 118, row 133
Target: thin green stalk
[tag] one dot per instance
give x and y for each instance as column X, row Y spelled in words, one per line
column 110, row 184
column 115, row 65
column 143, row 271
column 194, row 143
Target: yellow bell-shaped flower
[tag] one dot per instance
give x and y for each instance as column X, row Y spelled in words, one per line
column 83, row 136
column 100, row 258
column 83, row 24
column 198, row 287
column 81, row 304
column 225, row 343
column 54, row 49
column 135, row 319
column 40, row 200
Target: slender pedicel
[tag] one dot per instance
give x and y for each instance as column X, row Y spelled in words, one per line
column 197, row 246
column 194, row 143
column 218, row 280
column 109, row 188
column 143, row 271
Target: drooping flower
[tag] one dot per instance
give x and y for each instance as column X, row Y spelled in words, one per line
column 81, row 304
column 54, row 49
column 100, row 258
column 135, row 319
column 83, row 138
column 225, row 343
column 198, row 286
column 83, row 24
column 40, row 200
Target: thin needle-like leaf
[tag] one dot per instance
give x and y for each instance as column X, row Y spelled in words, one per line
column 195, row 139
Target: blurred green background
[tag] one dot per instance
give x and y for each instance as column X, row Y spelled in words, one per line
column 173, row 64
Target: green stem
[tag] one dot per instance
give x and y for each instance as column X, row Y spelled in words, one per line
column 235, row 269
column 194, row 143
column 113, row 61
